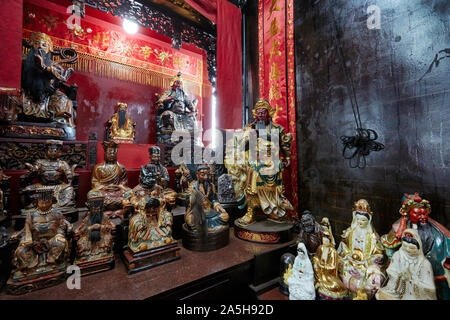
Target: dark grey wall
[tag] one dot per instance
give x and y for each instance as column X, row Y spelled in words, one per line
column 410, row 111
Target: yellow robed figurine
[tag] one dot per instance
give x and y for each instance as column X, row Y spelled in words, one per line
column 256, row 164
column 121, row 128
column 326, row 260
column 362, row 256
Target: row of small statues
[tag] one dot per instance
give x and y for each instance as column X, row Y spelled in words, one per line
column 411, row 262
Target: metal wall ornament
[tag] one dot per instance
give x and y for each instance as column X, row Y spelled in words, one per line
column 178, row 31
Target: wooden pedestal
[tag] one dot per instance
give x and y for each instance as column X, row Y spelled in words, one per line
column 265, row 231
column 211, row 241
column 135, row 262
column 96, row 266
column 23, row 286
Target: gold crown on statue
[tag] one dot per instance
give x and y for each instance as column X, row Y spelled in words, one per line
column 36, row 37
column 122, row 105
column 110, row 144
column 362, row 206
column 177, row 78
column 263, row 104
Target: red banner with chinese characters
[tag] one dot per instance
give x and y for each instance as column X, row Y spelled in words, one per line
column 277, row 72
column 109, row 52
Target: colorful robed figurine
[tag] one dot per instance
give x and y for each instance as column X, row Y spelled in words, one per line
column 120, row 127
column 43, row 252
column 410, row 273
column 151, row 226
column 110, row 178
column 361, row 253
column 435, row 239
column 52, row 173
column 94, row 239
column 258, row 173
column 202, row 195
column 301, row 280
column 326, row 262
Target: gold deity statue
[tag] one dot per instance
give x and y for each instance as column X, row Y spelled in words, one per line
column 362, row 257
column 94, row 238
column 52, row 173
column 256, row 164
column 121, row 128
column 110, row 178
column 43, row 250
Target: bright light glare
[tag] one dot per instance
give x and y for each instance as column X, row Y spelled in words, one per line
column 130, row 26
column 213, row 122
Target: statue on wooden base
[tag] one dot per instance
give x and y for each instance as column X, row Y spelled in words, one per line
column 52, row 174
column 120, row 128
column 41, row 99
column 94, row 241
column 206, row 221
column 43, row 252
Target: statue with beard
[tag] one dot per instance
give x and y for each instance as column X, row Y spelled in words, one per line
column 175, row 111
column 311, row 232
column 42, row 77
column 94, row 238
column 120, row 127
column 264, row 149
column 435, row 239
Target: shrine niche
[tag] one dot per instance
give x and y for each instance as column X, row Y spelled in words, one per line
column 120, row 128
column 46, row 107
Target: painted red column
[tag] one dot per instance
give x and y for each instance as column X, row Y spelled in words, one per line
column 11, row 53
column 229, row 66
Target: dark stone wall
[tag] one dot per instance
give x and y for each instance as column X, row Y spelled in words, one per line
column 408, row 107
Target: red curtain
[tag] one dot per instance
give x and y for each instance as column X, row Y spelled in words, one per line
column 229, row 66
column 11, row 52
column 207, row 8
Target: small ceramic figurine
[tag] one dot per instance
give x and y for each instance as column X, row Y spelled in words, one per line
column 52, row 173
column 202, row 193
column 311, row 232
column 326, row 260
column 286, row 263
column 94, row 238
column 4, row 192
column 120, row 127
column 110, row 178
column 410, row 273
column 43, row 251
column 150, row 227
column 435, row 239
column 301, row 281
column 362, row 257
column 263, row 189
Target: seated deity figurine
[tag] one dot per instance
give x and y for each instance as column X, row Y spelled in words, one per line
column 362, row 258
column 266, row 147
column 42, row 79
column 181, row 108
column 311, row 232
column 52, row 173
column 434, row 236
column 110, row 178
column 94, row 238
column 410, row 273
column 202, row 199
column 170, row 196
column 43, row 248
column 301, row 281
column 150, row 227
column 120, row 127
column 4, row 190
column 326, row 261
